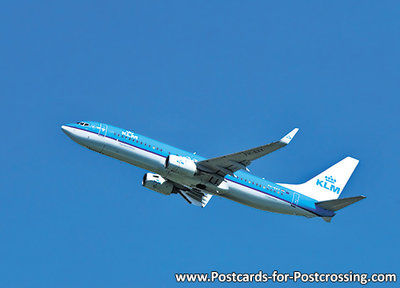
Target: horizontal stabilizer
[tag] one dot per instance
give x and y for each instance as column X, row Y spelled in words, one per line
column 327, row 219
column 337, row 204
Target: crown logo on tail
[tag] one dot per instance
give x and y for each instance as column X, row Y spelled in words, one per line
column 330, row 179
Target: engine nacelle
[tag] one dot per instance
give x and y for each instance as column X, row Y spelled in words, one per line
column 157, row 183
column 180, row 165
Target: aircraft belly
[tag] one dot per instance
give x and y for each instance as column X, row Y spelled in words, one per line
column 234, row 191
column 259, row 200
column 134, row 155
column 96, row 142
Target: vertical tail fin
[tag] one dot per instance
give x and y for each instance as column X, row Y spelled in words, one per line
column 329, row 184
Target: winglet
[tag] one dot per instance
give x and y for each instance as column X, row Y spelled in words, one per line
column 289, row 136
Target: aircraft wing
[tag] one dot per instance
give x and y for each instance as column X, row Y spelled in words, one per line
column 228, row 164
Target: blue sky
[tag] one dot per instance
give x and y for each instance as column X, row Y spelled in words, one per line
column 213, row 77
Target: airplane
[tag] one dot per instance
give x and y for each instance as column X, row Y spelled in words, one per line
column 197, row 179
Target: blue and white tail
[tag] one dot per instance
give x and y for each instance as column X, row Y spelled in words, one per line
column 329, row 184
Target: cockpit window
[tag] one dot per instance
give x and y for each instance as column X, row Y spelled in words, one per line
column 82, row 123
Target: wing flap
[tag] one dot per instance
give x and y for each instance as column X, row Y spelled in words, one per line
column 196, row 197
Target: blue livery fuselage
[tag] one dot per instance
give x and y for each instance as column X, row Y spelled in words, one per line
column 151, row 155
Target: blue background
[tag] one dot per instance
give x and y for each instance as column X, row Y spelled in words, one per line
column 214, row 77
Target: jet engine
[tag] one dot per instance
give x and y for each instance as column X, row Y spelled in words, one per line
column 180, row 165
column 157, row 183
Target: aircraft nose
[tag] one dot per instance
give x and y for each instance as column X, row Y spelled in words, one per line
column 67, row 130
